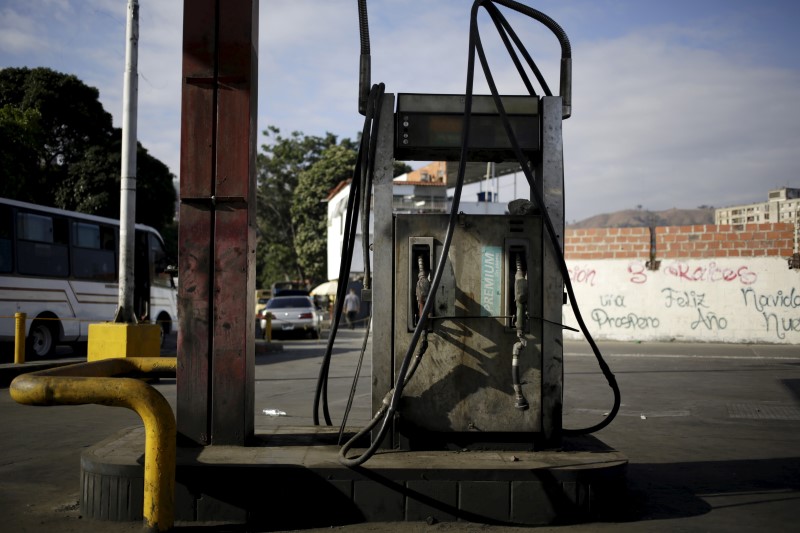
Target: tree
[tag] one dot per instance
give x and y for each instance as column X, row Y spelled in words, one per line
column 310, row 213
column 20, row 134
column 278, row 168
column 295, row 175
column 400, row 168
column 62, row 149
column 92, row 185
column 72, row 117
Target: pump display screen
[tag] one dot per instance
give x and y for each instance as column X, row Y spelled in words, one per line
column 430, row 129
column 440, row 130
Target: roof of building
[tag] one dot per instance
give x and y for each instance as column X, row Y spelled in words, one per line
column 339, row 186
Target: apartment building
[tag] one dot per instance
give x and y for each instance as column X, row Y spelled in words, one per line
column 782, row 205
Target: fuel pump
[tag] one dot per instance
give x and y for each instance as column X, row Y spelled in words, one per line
column 469, row 354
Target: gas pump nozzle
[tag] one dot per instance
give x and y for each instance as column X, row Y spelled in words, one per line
column 423, row 286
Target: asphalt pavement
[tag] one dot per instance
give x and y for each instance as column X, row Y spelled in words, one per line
column 711, row 431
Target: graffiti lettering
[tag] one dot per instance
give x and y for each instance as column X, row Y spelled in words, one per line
column 629, row 321
column 781, row 326
column 683, row 298
column 638, row 272
column 710, row 320
column 609, row 300
column 786, row 300
column 711, row 272
column 582, row 275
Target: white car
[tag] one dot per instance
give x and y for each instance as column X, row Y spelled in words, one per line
column 292, row 315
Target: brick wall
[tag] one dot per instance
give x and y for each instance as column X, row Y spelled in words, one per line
column 607, row 243
column 670, row 242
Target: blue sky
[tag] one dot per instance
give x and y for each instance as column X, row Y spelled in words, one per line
column 676, row 104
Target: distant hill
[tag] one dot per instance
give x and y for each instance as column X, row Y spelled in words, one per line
column 634, row 218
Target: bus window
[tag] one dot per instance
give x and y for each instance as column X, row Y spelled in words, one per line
column 63, row 266
column 37, row 228
column 6, row 258
column 94, row 258
column 43, row 245
column 86, row 235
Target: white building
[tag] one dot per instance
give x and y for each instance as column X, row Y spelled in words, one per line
column 422, row 191
column 782, row 205
column 408, row 197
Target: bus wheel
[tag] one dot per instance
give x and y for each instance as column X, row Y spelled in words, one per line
column 41, row 339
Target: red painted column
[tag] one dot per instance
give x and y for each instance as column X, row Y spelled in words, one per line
column 216, row 282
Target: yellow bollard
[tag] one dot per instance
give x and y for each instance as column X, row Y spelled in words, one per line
column 19, row 338
column 118, row 339
column 102, row 382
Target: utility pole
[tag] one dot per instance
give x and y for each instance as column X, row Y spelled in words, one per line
column 125, row 336
column 127, row 204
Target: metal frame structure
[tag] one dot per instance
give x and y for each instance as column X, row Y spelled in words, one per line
column 217, row 222
column 548, row 170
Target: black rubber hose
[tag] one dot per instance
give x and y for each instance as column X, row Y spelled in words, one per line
column 566, row 48
column 322, row 380
column 610, row 378
column 364, row 65
column 397, row 392
column 474, row 47
column 561, row 35
column 363, row 26
column 365, row 162
column 366, row 187
column 505, row 30
column 354, row 385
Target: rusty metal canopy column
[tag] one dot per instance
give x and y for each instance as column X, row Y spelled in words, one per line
column 216, row 283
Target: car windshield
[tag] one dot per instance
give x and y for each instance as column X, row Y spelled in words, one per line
column 282, row 303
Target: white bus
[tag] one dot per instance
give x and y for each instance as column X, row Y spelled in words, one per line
column 60, row 268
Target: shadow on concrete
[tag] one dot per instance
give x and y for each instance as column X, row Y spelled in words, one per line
column 678, row 490
column 270, row 357
column 794, row 387
column 654, row 492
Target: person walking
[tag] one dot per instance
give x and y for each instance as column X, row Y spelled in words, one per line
column 352, row 305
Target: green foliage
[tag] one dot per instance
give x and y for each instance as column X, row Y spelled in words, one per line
column 72, row 117
column 20, row 146
column 93, row 185
column 58, row 147
column 400, row 168
column 278, row 169
column 295, row 175
column 274, row 261
column 309, row 211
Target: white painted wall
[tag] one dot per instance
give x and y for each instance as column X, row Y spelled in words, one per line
column 732, row 300
column 337, row 212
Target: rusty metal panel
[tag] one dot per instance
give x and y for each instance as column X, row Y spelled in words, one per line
column 217, row 216
column 197, row 105
column 463, row 388
column 234, row 247
column 194, row 263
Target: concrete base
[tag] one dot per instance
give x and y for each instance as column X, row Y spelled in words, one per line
column 261, row 485
column 112, row 339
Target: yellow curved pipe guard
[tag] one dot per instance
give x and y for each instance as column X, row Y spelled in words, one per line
column 94, row 382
